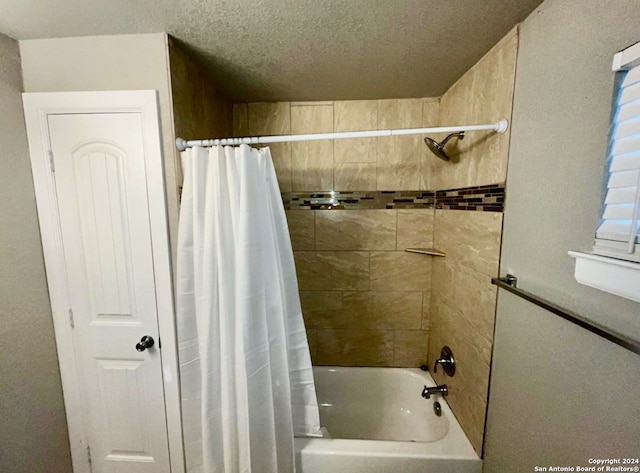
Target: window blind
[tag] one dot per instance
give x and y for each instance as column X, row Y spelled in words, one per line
column 618, row 234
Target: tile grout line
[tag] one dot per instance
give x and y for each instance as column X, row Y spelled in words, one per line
column 397, row 218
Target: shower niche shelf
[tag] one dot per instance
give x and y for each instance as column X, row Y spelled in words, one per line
column 425, row 251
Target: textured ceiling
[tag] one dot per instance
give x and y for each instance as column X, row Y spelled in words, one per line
column 297, row 49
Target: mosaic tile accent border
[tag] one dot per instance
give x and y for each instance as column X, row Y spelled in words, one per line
column 479, row 198
column 356, row 200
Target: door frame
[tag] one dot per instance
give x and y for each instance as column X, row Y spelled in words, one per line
column 37, row 107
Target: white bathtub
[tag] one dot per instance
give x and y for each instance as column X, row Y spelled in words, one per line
column 379, row 423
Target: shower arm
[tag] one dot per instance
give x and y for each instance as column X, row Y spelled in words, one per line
column 459, row 135
column 498, row 127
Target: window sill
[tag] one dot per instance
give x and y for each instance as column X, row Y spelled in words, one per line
column 615, row 276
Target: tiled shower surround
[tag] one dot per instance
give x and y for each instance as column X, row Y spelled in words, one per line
column 366, row 301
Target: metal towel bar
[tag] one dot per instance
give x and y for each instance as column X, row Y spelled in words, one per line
column 509, row 283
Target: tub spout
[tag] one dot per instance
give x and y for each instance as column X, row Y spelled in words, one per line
column 428, row 391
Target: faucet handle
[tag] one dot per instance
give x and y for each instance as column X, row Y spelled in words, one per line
column 447, row 361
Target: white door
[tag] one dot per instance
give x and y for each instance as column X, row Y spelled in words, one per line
column 97, row 169
column 101, row 190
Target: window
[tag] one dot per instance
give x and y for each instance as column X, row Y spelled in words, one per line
column 618, row 234
column 614, row 265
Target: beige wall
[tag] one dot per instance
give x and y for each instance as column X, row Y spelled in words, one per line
column 559, row 394
column 33, row 429
column 389, row 163
column 125, row 62
column 559, row 139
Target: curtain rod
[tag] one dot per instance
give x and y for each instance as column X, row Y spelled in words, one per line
column 498, row 127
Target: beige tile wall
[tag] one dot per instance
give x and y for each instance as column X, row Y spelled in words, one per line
column 462, row 298
column 484, row 94
column 462, row 309
column 365, row 301
column 200, row 108
column 390, row 163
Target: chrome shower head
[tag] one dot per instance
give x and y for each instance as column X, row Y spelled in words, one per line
column 438, row 148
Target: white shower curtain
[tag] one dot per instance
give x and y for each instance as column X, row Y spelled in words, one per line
column 246, row 376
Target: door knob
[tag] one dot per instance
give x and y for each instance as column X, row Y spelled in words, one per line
column 145, row 342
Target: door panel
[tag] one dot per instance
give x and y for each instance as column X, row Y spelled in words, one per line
column 99, row 177
column 104, row 217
